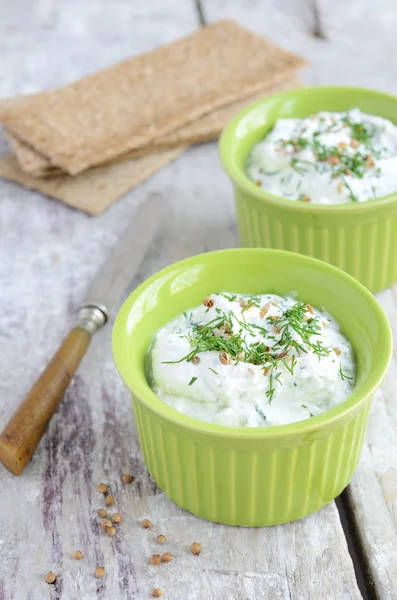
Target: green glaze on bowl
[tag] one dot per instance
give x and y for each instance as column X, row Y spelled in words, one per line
column 251, row 476
column 360, row 238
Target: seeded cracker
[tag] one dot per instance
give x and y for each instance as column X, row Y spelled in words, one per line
column 204, row 129
column 96, row 189
column 147, row 96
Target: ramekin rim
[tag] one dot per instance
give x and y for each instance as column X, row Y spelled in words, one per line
column 338, row 413
column 263, row 195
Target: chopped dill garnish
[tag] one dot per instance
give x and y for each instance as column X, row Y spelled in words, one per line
column 351, row 195
column 228, row 297
column 213, row 370
column 298, row 332
column 343, row 375
column 193, row 379
column 303, row 406
column 260, row 412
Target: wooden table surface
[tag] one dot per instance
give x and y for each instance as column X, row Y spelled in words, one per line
column 48, row 256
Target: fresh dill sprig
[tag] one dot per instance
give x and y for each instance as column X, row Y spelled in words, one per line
column 260, row 412
column 343, row 374
column 296, row 334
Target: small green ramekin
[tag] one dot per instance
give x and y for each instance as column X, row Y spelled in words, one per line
column 360, row 238
column 251, row 476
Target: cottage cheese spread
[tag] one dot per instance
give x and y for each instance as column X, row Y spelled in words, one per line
column 327, row 158
column 251, row 361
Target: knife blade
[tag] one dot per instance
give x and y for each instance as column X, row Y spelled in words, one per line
column 24, row 430
column 117, row 272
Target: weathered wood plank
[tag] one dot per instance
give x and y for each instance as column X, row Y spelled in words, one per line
column 49, row 254
column 373, row 491
column 358, row 39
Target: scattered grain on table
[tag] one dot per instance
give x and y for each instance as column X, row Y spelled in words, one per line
column 146, row 523
column 105, row 523
column 100, row 572
column 116, row 518
column 50, row 577
column 195, row 548
column 109, row 500
column 167, row 557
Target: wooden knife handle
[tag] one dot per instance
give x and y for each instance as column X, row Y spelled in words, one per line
column 23, row 432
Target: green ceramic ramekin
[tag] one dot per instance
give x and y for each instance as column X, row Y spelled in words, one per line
column 251, row 476
column 360, row 238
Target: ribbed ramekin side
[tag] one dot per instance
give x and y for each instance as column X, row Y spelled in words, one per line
column 254, row 488
column 366, row 250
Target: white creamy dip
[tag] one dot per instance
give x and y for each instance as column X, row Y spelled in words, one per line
column 327, row 158
column 251, row 361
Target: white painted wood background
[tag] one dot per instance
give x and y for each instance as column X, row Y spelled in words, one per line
column 48, row 256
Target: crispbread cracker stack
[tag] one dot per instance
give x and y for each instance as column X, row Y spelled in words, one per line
column 94, row 190
column 203, row 129
column 145, row 97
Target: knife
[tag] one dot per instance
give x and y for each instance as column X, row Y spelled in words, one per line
column 23, row 432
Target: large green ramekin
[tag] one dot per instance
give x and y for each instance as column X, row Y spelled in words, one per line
column 251, row 476
column 360, row 238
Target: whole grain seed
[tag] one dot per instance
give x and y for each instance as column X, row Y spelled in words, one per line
column 166, row 557
column 100, row 572
column 105, row 523
column 161, row 539
column 225, row 358
column 208, row 302
column 127, row 478
column 157, row 593
column 102, row 513
column 116, row 518
column 111, row 531
column 50, row 577
column 103, row 488
column 109, row 500
column 195, row 548
column 155, row 559
column 264, row 310
column 77, row 555
column 146, row 523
